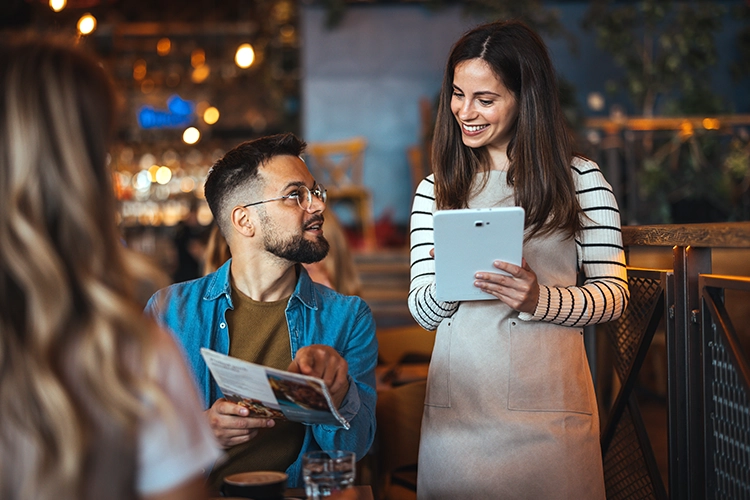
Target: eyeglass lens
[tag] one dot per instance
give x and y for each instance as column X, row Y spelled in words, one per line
column 304, row 199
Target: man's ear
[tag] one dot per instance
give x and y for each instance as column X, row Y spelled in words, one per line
column 242, row 222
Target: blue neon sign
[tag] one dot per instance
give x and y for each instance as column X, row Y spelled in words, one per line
column 179, row 113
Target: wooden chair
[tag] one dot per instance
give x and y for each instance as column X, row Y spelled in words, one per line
column 394, row 343
column 339, row 167
column 399, row 417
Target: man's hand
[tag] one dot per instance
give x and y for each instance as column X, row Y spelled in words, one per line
column 231, row 425
column 324, row 362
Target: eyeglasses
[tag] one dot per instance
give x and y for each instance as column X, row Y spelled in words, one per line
column 303, row 195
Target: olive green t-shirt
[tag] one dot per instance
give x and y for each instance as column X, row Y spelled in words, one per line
column 258, row 332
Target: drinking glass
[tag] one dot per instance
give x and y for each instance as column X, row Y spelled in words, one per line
column 327, row 472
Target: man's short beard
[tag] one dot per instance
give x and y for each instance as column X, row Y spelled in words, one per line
column 297, row 248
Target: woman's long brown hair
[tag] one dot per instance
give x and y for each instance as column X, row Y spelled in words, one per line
column 542, row 147
column 77, row 357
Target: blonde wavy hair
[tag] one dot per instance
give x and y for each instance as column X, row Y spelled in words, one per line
column 77, row 356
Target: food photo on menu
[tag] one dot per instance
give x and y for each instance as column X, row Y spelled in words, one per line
column 271, row 393
column 256, row 408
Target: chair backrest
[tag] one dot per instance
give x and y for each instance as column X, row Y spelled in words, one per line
column 337, row 164
column 398, row 341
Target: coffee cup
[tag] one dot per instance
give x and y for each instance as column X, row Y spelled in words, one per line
column 258, row 485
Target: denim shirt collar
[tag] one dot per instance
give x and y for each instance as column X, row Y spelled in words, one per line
column 220, row 285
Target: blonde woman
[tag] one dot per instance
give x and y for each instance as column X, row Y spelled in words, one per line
column 95, row 401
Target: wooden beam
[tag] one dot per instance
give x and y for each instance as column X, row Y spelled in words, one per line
column 716, row 235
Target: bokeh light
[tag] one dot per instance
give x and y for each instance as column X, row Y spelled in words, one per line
column 211, row 115
column 200, row 73
column 86, row 24
column 57, row 5
column 139, row 70
column 191, row 135
column 245, row 56
column 711, row 124
column 163, row 46
column 163, row 175
column 197, row 58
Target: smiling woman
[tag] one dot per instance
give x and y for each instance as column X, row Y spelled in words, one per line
column 501, row 140
column 485, row 109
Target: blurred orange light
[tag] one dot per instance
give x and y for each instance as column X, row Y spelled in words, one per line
column 152, row 172
column 200, row 73
column 139, row 70
column 686, row 129
column 197, row 58
column 211, row 115
column 163, row 46
column 711, row 124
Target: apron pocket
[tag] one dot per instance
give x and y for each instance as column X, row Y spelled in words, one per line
column 438, row 378
column 548, row 369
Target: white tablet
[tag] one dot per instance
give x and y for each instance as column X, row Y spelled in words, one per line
column 468, row 241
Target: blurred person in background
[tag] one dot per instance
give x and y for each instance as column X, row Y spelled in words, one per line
column 95, row 399
column 217, row 251
column 190, row 246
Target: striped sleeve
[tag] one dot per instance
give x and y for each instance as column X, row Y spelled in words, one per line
column 426, row 310
column 604, row 294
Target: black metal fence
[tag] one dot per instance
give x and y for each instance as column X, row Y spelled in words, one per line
column 708, row 376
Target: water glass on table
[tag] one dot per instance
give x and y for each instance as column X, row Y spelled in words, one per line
column 327, row 472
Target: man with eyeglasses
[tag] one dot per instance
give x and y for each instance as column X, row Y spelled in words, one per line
column 262, row 306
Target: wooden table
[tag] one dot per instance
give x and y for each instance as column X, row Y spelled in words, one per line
column 363, row 493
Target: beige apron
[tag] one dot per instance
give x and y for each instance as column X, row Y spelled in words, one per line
column 510, row 410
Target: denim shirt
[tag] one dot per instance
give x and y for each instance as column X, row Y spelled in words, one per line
column 195, row 311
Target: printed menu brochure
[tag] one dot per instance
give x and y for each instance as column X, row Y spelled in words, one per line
column 270, row 393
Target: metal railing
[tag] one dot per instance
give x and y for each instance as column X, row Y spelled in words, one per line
column 708, row 376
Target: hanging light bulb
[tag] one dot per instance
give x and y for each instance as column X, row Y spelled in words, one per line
column 86, row 24
column 245, row 56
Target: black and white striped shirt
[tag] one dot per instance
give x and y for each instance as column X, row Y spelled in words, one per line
column 604, row 294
